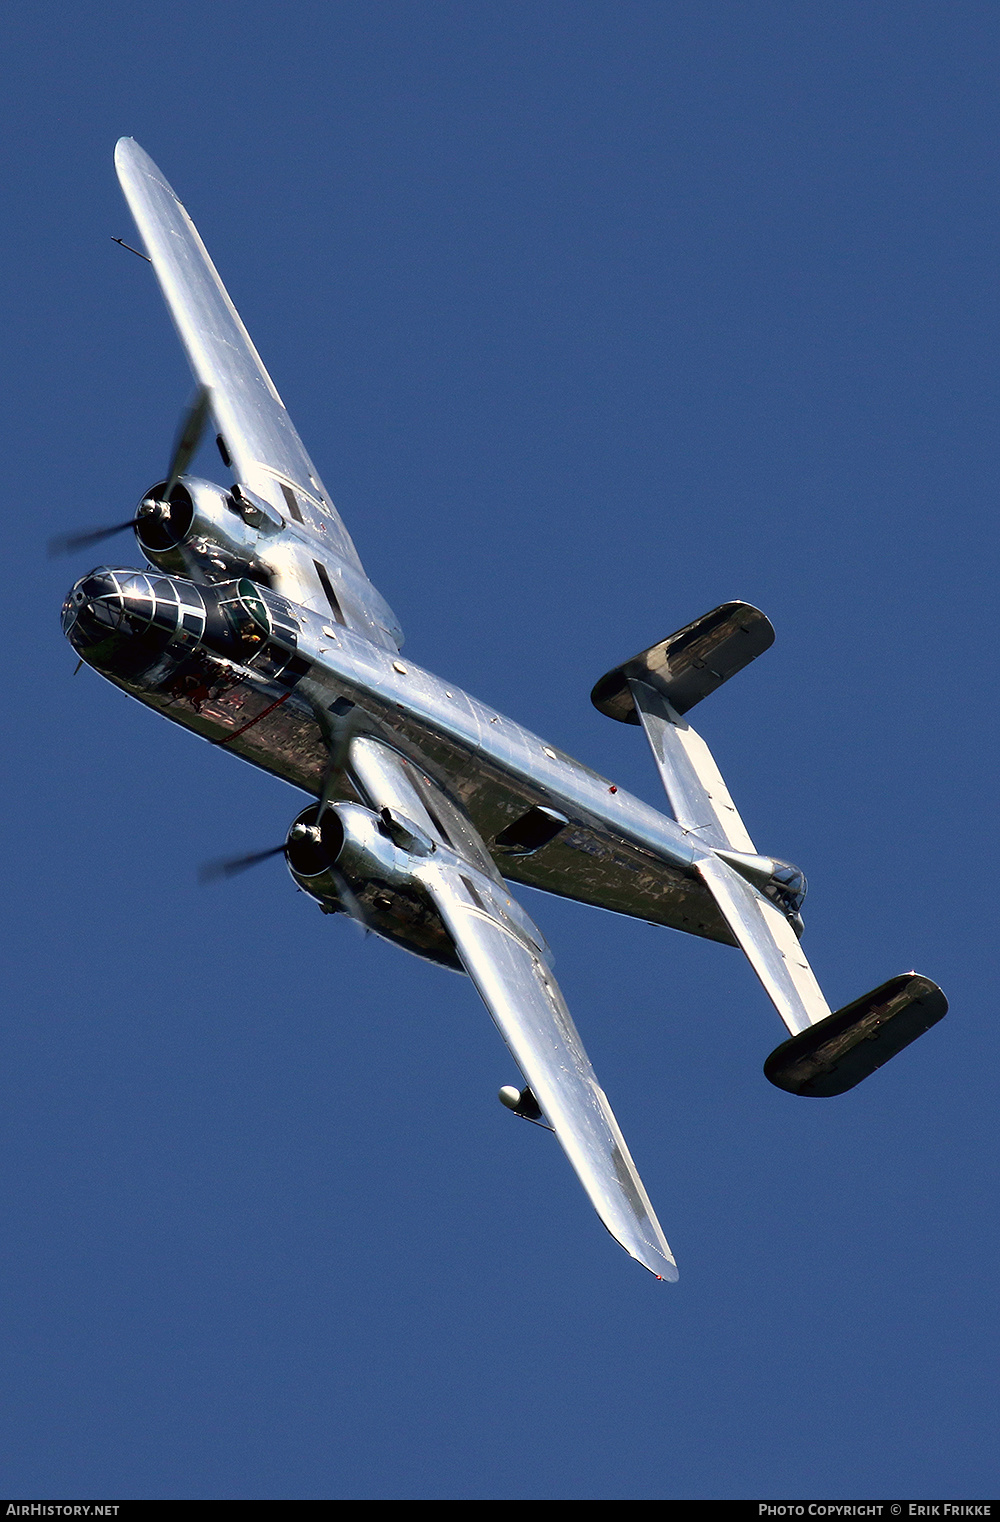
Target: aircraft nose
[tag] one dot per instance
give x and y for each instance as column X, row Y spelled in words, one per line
column 122, row 621
column 107, row 602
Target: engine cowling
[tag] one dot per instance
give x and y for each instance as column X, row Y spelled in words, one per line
column 352, row 864
column 206, row 528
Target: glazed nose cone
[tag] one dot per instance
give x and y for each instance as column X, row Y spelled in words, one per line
column 107, row 604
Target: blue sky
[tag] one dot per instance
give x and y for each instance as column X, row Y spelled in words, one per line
column 593, row 316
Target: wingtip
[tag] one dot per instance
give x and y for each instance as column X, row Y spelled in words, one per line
column 662, row 1268
column 136, row 170
column 127, row 152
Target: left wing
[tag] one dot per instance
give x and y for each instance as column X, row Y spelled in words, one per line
column 507, row 959
column 266, row 451
column 313, row 561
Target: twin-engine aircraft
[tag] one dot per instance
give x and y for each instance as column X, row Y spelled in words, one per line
column 255, row 626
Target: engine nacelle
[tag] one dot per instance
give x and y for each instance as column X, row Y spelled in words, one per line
column 353, row 863
column 206, row 530
column 208, row 534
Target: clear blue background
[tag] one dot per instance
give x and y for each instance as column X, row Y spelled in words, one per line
column 593, row 315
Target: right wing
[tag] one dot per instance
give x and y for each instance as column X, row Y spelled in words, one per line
column 529, row 1011
column 507, row 959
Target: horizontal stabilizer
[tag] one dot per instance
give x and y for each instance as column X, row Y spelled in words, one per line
column 688, row 665
column 770, row 945
column 699, row 797
column 835, row 1054
column 758, row 897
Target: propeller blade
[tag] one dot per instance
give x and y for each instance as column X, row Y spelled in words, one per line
column 338, row 731
column 188, row 439
column 350, row 901
column 66, row 544
column 232, row 866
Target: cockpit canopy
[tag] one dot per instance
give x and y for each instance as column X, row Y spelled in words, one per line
column 246, row 613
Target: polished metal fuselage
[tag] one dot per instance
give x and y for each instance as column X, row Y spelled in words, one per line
column 615, row 851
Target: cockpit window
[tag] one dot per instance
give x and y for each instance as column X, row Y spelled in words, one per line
column 255, row 605
column 247, row 614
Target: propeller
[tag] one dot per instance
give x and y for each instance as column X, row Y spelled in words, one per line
column 350, row 901
column 338, row 726
column 65, row 544
column 188, row 439
column 232, row 866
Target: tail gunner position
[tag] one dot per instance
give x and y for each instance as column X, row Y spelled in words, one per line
column 255, row 626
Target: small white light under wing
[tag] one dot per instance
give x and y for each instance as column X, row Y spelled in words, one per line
column 522, row 996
